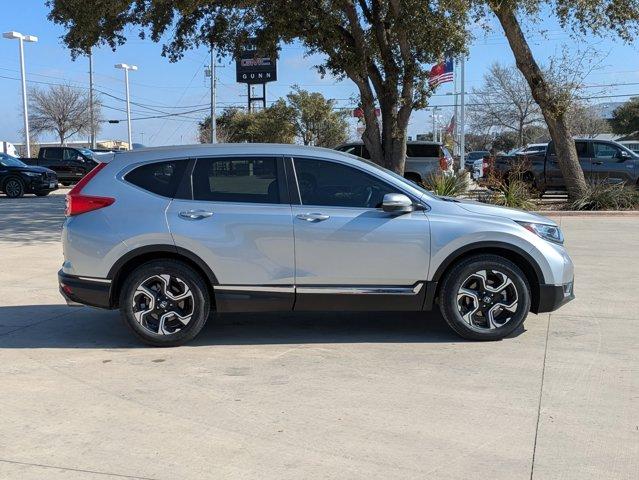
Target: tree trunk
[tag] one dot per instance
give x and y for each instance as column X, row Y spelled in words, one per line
column 552, row 108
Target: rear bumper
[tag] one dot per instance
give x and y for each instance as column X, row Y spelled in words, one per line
column 551, row 297
column 95, row 292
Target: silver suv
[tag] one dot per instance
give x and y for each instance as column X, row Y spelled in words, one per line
column 423, row 159
column 169, row 235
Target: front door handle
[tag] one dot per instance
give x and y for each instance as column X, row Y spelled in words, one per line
column 597, row 163
column 313, row 217
column 195, row 214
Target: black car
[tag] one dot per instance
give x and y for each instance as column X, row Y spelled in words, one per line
column 17, row 178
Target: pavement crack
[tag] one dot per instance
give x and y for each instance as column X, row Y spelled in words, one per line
column 541, row 392
column 71, row 469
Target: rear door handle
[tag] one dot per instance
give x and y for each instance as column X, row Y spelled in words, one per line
column 597, row 163
column 195, row 214
column 313, row 217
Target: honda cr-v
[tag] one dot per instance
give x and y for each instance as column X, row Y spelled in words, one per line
column 169, row 235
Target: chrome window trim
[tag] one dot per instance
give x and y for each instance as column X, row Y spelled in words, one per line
column 328, row 289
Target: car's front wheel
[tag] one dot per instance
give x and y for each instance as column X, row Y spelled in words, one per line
column 14, row 188
column 165, row 303
column 485, row 297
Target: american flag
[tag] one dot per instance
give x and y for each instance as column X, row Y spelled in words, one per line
column 441, row 73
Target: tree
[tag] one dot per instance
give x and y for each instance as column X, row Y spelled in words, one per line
column 62, row 109
column 585, row 121
column 604, row 17
column 625, row 119
column 270, row 125
column 504, row 102
column 383, row 46
column 316, row 122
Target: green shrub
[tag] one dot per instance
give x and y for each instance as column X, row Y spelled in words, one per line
column 448, row 184
column 513, row 194
column 607, row 196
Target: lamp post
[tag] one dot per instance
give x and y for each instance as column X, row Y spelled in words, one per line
column 126, row 68
column 21, row 39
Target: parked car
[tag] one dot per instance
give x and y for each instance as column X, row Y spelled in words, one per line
column 169, row 234
column 422, row 158
column 601, row 161
column 69, row 163
column 17, row 178
column 474, row 162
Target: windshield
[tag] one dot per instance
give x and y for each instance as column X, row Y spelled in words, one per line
column 9, row 161
column 476, row 155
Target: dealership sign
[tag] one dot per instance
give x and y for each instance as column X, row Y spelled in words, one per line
column 255, row 67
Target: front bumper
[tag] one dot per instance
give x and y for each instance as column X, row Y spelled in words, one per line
column 551, row 297
column 42, row 185
column 95, row 292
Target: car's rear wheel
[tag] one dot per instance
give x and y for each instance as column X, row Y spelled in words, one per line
column 14, row 188
column 165, row 303
column 485, row 297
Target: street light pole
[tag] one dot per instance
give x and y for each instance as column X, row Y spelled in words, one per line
column 21, row 39
column 126, row 68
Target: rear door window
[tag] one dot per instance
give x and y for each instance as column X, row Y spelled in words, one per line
column 53, row 154
column 239, row 180
column 162, row 178
column 422, row 150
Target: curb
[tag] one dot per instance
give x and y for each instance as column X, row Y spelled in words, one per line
column 587, row 213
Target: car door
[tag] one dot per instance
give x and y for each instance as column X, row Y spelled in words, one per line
column 52, row 158
column 609, row 164
column 554, row 177
column 236, row 217
column 74, row 162
column 349, row 254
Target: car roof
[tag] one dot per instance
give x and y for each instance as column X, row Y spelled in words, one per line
column 408, row 142
column 220, row 149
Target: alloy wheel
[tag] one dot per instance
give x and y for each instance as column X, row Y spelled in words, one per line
column 163, row 304
column 13, row 188
column 487, row 299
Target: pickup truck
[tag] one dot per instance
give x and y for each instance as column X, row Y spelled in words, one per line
column 69, row 163
column 601, row 161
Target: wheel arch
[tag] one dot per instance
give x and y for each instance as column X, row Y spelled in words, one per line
column 518, row 256
column 133, row 259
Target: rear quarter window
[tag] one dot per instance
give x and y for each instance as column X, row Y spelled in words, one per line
column 162, row 178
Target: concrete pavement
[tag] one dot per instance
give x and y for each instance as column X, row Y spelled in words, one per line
column 318, row 396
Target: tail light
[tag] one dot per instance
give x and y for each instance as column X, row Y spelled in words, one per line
column 78, row 203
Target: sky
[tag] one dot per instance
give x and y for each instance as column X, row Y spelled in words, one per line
column 159, row 86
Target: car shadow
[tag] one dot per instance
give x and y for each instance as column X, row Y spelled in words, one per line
column 30, row 219
column 59, row 326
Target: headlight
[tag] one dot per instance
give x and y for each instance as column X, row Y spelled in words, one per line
column 547, row 232
column 32, row 174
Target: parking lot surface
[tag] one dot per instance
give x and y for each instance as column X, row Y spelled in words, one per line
column 344, row 396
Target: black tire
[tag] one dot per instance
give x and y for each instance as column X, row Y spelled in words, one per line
column 13, row 187
column 460, row 273
column 65, row 184
column 176, row 270
column 42, row 194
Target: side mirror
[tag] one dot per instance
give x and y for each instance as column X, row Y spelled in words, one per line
column 397, row 203
column 623, row 155
column 79, row 158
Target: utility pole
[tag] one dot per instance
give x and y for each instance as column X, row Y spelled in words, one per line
column 213, row 97
column 21, row 39
column 91, row 113
column 462, row 124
